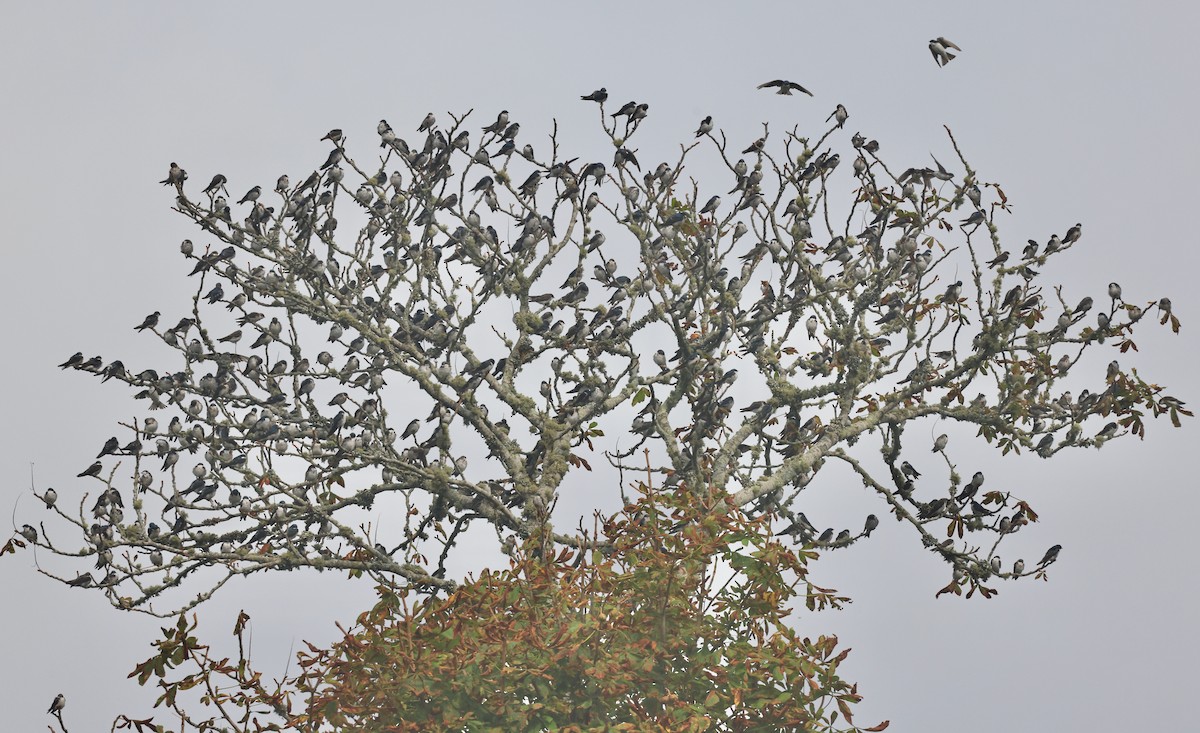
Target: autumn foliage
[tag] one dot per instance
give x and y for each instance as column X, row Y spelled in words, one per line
column 675, row 620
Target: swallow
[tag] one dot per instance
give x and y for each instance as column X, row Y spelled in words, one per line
column 252, row 195
column 500, row 123
column 110, row 447
column 335, row 157
column 706, row 126
column 218, row 182
column 427, row 123
column 74, row 362
column 840, row 114
column 784, row 86
column 599, row 96
column 334, row 136
column 1073, row 234
column 938, row 47
column 81, row 581
column 92, row 470
column 175, row 176
column 60, row 700
column 939, row 444
column 1051, row 555
column 626, row 110
column 149, row 321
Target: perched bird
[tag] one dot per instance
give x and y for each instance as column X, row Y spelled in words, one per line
column 60, row 700
column 784, row 86
column 218, row 182
column 907, row 469
column 840, row 114
column 939, row 48
column 334, row 136
column 50, row 496
column 1018, row 567
column 427, row 123
column 149, row 321
column 500, row 123
column 81, row 581
column 75, row 360
column 1051, row 555
column 1114, row 291
column 711, row 205
column 811, row 326
column 871, row 524
column 28, row 532
column 175, row 176
column 706, row 126
column 939, row 444
column 1073, row 234
column 599, row 96
column 110, row 447
column 92, row 470
column 251, row 195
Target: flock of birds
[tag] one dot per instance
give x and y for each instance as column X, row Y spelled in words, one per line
column 111, row 506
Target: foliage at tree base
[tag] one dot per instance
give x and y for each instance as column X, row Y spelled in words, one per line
column 677, row 625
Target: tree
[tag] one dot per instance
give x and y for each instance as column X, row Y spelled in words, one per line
column 537, row 314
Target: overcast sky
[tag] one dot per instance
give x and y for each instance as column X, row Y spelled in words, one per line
column 1083, row 112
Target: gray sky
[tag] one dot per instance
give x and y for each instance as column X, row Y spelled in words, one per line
column 1081, row 112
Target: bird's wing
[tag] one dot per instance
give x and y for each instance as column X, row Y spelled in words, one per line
column 949, row 44
column 775, row 83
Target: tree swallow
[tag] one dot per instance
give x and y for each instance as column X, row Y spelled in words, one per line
column 784, row 86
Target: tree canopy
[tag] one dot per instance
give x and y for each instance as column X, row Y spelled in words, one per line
column 484, row 331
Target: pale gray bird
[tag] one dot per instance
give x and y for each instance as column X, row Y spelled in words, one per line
column 840, row 114
column 175, row 176
column 939, row 444
column 1018, row 567
column 939, row 48
column 783, row 86
column 60, row 701
column 811, row 326
column 50, row 497
column 706, row 126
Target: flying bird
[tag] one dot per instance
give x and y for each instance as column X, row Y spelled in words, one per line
column 785, row 87
column 939, row 47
